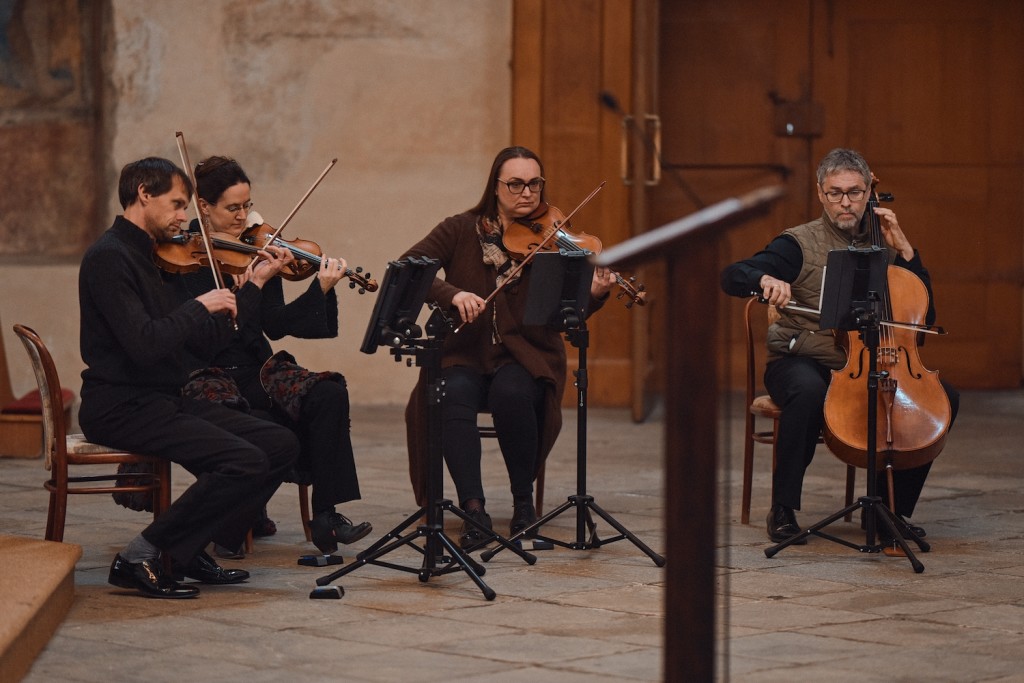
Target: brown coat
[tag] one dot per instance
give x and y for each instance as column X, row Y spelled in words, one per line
column 539, row 349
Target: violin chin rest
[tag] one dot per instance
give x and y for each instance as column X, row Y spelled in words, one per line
column 254, row 218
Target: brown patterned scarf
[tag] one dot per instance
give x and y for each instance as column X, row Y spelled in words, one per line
column 489, row 232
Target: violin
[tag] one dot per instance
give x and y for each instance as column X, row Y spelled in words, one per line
column 913, row 411
column 545, row 230
column 186, row 253
column 308, row 256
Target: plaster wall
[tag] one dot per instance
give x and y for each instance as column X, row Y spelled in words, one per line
column 412, row 98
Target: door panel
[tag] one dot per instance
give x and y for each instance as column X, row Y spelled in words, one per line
column 919, row 90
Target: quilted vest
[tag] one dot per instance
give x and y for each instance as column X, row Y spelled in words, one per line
column 797, row 333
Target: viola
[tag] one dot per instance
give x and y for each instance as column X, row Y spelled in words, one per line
column 913, row 411
column 546, row 229
column 308, row 256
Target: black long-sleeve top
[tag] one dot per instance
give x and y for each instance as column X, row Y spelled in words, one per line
column 262, row 313
column 132, row 330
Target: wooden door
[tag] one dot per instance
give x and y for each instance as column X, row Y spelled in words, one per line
column 565, row 54
column 753, row 93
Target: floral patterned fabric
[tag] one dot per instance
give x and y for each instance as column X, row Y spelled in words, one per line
column 286, row 382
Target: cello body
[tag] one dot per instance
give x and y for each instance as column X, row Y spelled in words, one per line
column 913, row 409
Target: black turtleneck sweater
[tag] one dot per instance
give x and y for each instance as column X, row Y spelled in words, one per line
column 132, row 331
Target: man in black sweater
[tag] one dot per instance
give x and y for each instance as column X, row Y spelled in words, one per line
column 132, row 338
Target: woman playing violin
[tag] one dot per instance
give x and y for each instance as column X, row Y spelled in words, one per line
column 246, row 373
column 494, row 363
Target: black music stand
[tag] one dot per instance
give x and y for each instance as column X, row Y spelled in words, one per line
column 558, row 297
column 393, row 323
column 849, row 301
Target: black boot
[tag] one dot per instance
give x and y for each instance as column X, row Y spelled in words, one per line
column 782, row 524
column 328, row 528
column 523, row 515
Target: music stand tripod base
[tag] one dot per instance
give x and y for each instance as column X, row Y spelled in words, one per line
column 404, row 287
column 559, row 293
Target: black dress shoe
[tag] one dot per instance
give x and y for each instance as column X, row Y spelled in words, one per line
column 470, row 536
column 205, row 569
column 330, row 528
column 782, row 525
column 147, row 578
column 522, row 516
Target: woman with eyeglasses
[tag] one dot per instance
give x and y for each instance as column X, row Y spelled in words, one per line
column 495, row 363
column 247, row 374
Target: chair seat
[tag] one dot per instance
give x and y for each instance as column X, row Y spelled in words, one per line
column 79, row 445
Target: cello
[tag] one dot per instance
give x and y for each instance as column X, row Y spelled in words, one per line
column 913, row 410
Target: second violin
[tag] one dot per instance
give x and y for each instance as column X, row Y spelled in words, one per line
column 308, row 256
column 547, row 230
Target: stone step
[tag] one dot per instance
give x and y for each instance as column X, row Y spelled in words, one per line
column 37, row 586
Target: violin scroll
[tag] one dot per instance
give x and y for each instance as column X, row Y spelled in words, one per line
column 635, row 293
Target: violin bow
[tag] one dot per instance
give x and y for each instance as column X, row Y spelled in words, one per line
column 302, row 201
column 529, row 257
column 204, row 230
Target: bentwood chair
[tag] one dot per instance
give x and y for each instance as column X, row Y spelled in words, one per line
column 62, row 451
column 761, row 406
column 21, row 418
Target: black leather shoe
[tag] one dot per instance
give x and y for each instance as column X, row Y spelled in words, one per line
column 205, row 569
column 782, row 525
column 330, row 528
column 147, row 578
column 522, row 516
column 470, row 536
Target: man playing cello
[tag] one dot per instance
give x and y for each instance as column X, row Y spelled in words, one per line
column 801, row 357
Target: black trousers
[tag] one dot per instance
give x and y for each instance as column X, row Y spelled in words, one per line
column 324, row 431
column 515, row 401
column 798, row 386
column 238, row 461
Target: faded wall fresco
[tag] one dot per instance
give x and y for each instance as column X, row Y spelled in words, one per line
column 411, row 97
column 47, row 129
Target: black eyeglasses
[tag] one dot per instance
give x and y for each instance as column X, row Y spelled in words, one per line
column 516, row 186
column 836, row 196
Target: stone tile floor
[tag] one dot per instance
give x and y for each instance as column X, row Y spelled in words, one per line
column 811, row 613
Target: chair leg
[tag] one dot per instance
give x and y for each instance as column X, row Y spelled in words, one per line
column 539, row 493
column 57, row 515
column 851, row 480
column 248, row 542
column 304, row 511
column 748, row 470
column 51, row 514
